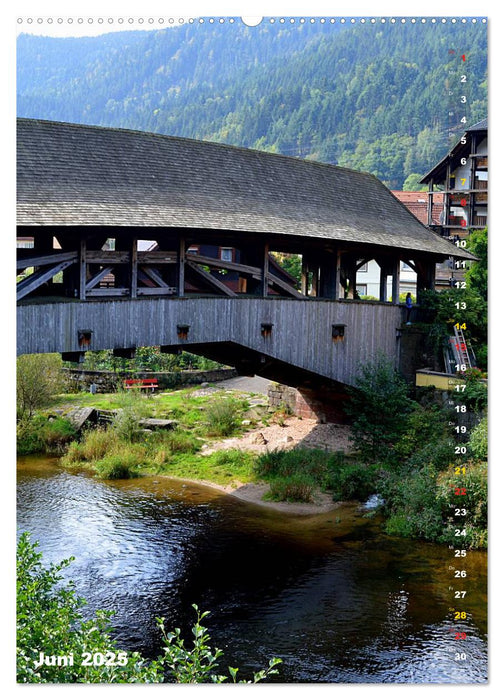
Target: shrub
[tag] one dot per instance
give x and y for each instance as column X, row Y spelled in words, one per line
column 411, row 505
column 222, row 417
column 37, row 379
column 124, row 463
column 352, row 481
column 95, row 444
column 474, row 480
column 296, row 487
column 478, row 441
column 175, row 441
column 435, row 455
column 56, row 434
column 378, row 405
column 39, row 434
column 422, row 425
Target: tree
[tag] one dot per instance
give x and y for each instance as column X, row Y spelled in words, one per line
column 412, row 183
column 477, row 274
column 378, row 405
column 37, row 379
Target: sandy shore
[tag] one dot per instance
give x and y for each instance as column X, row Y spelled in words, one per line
column 254, row 492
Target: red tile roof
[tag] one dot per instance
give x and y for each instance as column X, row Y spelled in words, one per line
column 417, row 203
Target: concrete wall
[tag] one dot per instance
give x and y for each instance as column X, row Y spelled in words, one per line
column 301, row 330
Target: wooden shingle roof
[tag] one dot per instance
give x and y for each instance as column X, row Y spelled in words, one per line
column 76, row 175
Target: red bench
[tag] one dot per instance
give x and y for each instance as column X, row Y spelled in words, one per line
column 141, row 384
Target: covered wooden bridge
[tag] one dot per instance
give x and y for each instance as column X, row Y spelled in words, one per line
column 142, row 239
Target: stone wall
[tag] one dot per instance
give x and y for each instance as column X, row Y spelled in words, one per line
column 324, row 406
column 107, row 382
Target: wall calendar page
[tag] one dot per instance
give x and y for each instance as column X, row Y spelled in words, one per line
column 252, row 349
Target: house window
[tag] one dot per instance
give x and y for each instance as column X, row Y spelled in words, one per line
column 226, row 254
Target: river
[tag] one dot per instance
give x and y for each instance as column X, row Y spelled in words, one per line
column 332, row 595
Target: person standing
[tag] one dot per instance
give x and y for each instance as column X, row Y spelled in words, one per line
column 409, row 306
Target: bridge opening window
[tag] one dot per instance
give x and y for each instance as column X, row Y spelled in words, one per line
column 183, row 331
column 84, row 338
column 338, row 332
column 266, row 329
column 226, row 254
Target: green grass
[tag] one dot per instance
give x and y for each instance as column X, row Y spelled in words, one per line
column 224, row 467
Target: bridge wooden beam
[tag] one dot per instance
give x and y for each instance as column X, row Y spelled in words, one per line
column 181, row 261
column 32, row 282
column 40, row 260
column 211, row 280
column 90, row 284
column 223, row 264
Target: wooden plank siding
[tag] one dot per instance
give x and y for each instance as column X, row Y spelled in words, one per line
column 301, row 333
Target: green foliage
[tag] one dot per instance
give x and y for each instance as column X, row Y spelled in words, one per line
column 291, row 263
column 475, row 522
column 294, row 474
column 477, row 274
column 146, row 359
column 411, row 505
column 222, row 416
column 49, row 620
column 351, row 481
column 28, row 436
column 379, row 406
column 296, row 487
column 478, row 440
column 124, row 464
column 126, row 422
column 413, row 184
column 421, row 426
column 37, row 379
column 40, row 434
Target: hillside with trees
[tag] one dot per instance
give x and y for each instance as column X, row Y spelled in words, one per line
column 380, row 98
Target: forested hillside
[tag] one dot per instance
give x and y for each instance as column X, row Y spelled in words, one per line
column 371, row 97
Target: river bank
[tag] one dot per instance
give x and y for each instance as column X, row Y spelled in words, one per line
column 255, row 493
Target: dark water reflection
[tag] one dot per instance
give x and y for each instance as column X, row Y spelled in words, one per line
column 331, row 595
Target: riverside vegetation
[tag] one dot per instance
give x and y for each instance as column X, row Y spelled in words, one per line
column 404, row 449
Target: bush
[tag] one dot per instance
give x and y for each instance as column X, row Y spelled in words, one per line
column 124, row 463
column 411, row 505
column 39, row 434
column 422, row 425
column 352, row 481
column 175, row 441
column 379, row 406
column 29, row 437
column 56, row 433
column 37, row 379
column 95, row 445
column 422, row 505
column 475, row 501
column 296, row 487
column 478, row 441
column 222, row 417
